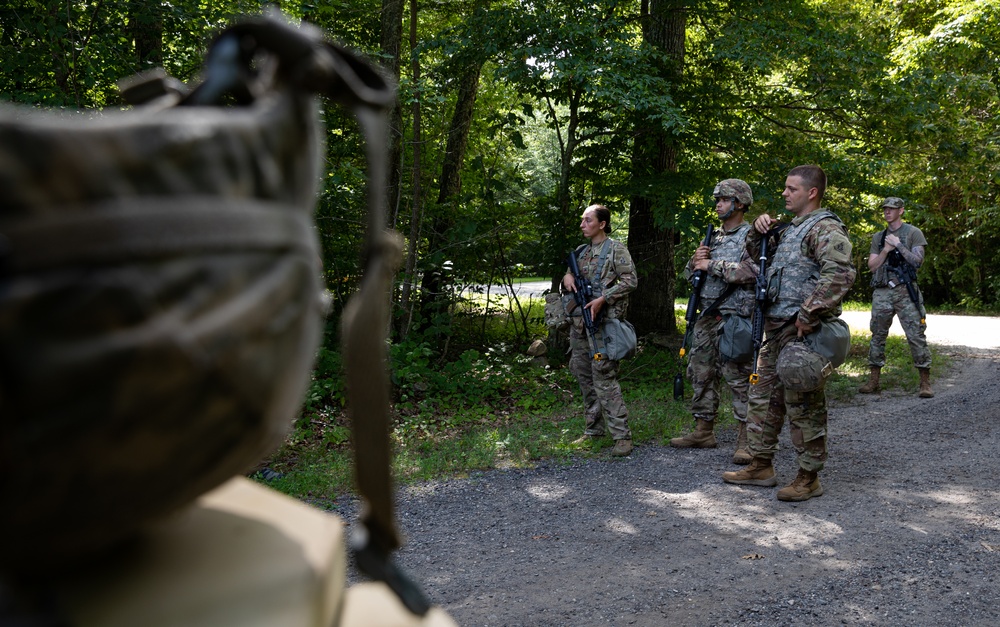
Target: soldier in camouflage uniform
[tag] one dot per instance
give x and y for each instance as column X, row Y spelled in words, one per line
column 728, row 290
column 809, row 276
column 604, row 407
column 891, row 298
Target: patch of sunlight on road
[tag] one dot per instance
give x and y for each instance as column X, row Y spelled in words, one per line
column 790, row 530
column 952, row 496
column 548, row 491
column 618, row 525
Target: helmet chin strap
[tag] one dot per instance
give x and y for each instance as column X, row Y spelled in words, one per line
column 732, row 208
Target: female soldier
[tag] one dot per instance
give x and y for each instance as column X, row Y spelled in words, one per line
column 608, row 265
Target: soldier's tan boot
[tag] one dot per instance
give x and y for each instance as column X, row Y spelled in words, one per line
column 622, row 448
column 703, row 436
column 742, row 455
column 925, row 383
column 759, row 472
column 873, row 381
column 804, row 487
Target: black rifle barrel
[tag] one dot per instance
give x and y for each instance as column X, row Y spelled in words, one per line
column 760, row 298
column 584, row 294
column 694, row 300
column 907, row 275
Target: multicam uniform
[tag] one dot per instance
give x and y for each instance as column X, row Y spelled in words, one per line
column 890, row 298
column 810, row 274
column 602, row 396
column 705, row 364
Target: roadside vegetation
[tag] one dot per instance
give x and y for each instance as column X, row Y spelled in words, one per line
column 498, row 408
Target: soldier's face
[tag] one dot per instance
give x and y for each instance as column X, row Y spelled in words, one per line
column 796, row 195
column 589, row 224
column 723, row 205
column 891, row 214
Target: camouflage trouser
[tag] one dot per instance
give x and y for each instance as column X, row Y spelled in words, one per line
column 706, row 368
column 890, row 301
column 602, row 396
column 769, row 402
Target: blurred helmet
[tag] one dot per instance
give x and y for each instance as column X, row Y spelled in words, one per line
column 734, row 188
column 892, row 201
column 801, row 369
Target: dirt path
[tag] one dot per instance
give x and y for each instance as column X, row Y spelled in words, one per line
column 908, row 531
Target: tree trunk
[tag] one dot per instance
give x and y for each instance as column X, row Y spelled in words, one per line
column 432, row 281
column 146, row 23
column 391, row 43
column 654, row 153
column 415, row 214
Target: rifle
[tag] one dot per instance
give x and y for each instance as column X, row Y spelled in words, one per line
column 760, row 299
column 691, row 315
column 584, row 294
column 907, row 275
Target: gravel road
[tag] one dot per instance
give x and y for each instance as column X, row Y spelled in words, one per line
column 907, row 532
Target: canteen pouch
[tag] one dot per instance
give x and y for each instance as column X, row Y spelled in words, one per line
column 619, row 339
column 736, row 338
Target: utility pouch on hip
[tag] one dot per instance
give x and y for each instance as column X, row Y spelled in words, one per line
column 619, row 339
column 736, row 338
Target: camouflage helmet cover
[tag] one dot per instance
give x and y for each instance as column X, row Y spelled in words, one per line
column 801, row 369
column 892, row 201
column 734, row 188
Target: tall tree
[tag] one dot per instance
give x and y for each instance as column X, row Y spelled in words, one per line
column 146, row 23
column 416, row 195
column 654, row 154
column 391, row 45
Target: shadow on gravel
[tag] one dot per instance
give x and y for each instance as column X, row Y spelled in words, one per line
column 908, row 531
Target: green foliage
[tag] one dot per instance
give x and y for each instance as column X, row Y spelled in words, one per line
column 530, row 415
column 326, row 391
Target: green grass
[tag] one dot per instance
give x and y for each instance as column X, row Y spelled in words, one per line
column 498, row 410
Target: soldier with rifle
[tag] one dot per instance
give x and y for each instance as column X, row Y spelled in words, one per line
column 604, row 279
column 808, row 275
column 726, row 290
column 896, row 253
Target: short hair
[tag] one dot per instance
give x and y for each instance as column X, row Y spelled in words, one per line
column 813, row 175
column 603, row 214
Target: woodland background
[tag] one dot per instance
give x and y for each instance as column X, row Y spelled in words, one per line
column 514, row 115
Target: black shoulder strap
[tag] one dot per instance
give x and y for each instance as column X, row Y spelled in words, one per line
column 718, row 301
column 882, row 243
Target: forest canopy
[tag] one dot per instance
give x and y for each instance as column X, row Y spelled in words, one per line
column 514, row 115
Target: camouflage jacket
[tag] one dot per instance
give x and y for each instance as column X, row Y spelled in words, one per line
column 725, row 268
column 826, row 248
column 617, row 278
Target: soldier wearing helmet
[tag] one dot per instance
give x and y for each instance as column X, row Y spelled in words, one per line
column 728, row 291
column 890, row 296
column 809, row 274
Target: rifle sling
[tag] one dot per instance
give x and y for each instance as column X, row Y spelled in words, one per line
column 730, row 288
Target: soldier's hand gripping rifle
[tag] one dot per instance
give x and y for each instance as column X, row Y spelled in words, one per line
column 584, row 294
column 907, row 275
column 691, row 315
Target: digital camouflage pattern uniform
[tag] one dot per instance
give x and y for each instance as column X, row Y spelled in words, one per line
column 890, row 298
column 810, row 274
column 705, row 364
column 604, row 407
